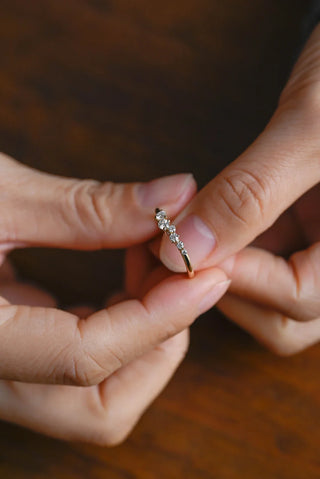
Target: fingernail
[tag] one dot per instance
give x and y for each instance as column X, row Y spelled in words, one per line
column 213, row 296
column 163, row 191
column 197, row 238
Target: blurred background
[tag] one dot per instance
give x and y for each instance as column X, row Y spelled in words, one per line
column 128, row 91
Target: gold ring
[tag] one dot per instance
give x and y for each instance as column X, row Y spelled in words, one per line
column 166, row 226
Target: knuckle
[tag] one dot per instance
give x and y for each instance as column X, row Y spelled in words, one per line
column 112, row 436
column 303, row 303
column 100, row 432
column 83, row 368
column 8, row 160
column 282, row 349
column 83, row 373
column 309, row 96
column 91, row 202
column 114, row 424
column 244, row 195
column 176, row 346
column 303, row 84
column 183, row 345
column 106, row 438
column 283, row 341
column 302, row 101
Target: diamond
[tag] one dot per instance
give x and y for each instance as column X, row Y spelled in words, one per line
column 160, row 215
column 180, row 245
column 174, row 238
column 184, row 251
column 163, row 224
column 171, row 229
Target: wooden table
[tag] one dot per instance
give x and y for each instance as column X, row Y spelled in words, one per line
column 129, row 91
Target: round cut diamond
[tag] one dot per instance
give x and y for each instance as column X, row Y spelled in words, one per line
column 171, row 229
column 174, row 238
column 184, row 251
column 163, row 224
column 180, row 245
column 160, row 215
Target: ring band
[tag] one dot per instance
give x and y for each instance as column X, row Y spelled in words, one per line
column 166, row 226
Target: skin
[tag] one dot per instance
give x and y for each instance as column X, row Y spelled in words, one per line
column 261, row 209
column 82, row 374
column 263, row 213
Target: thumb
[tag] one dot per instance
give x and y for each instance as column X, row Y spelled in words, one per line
column 244, row 200
column 240, row 203
column 47, row 345
column 45, row 210
column 248, row 196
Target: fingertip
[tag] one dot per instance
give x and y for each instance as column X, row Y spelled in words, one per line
column 180, row 295
column 213, row 296
column 165, row 191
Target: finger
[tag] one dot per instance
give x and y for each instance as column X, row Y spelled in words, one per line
column 284, row 237
column 277, row 332
column 139, row 262
column 142, row 381
column 41, row 209
column 248, row 196
column 143, row 271
column 102, row 414
column 244, row 200
column 48, row 345
column 291, row 287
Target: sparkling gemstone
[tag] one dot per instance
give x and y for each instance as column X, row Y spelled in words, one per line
column 184, row 251
column 160, row 215
column 163, row 224
column 174, row 238
column 180, row 245
column 171, row 229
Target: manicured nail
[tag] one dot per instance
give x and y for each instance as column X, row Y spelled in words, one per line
column 213, row 296
column 197, row 238
column 163, row 191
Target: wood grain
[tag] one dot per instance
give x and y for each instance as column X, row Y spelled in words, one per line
column 129, row 91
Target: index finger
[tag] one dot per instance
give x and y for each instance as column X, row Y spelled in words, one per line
column 47, row 345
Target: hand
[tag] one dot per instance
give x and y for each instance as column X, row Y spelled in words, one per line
column 278, row 301
column 120, row 357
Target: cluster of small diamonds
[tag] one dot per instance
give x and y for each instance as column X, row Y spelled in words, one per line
column 169, row 228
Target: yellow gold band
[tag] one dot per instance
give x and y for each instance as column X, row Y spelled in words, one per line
column 165, row 225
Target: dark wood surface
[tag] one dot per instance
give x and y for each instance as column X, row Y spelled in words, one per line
column 128, row 90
